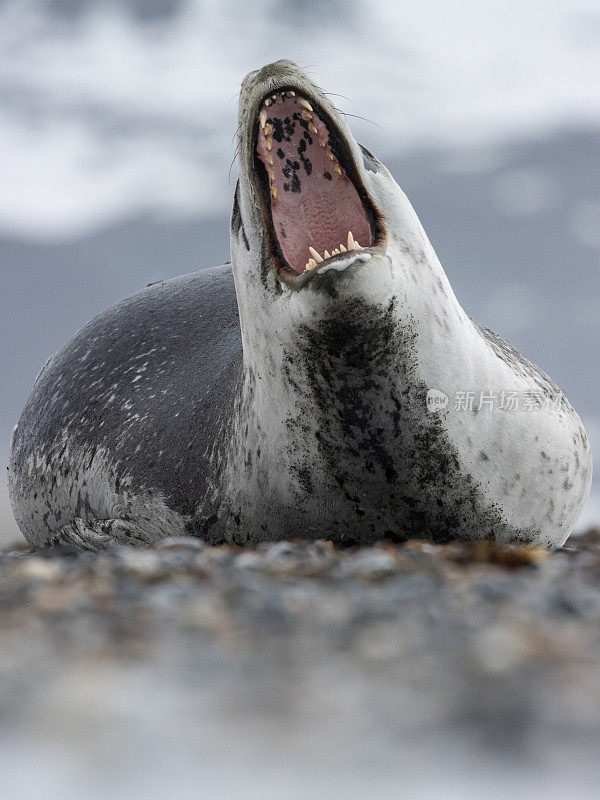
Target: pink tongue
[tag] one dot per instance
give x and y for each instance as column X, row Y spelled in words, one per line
column 314, row 205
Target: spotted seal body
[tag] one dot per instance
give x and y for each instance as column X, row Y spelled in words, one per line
column 327, row 384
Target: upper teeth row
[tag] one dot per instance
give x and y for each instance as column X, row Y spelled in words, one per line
column 278, row 97
column 267, row 130
column 317, row 258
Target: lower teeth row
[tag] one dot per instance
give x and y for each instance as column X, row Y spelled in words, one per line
column 317, row 258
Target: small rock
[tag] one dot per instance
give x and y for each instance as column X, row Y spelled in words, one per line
column 143, row 564
column 180, row 543
column 501, row 649
column 249, row 560
column 38, row 569
column 370, row 564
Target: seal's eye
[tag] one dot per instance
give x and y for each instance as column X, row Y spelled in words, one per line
column 315, row 208
column 237, row 223
column 369, row 159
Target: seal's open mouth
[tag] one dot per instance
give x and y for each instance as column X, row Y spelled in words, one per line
column 318, row 205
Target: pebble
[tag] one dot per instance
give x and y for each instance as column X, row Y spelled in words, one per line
column 370, row 564
column 35, row 568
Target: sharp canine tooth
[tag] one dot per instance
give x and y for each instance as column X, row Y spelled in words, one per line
column 337, row 169
column 326, row 254
column 262, row 117
column 311, row 127
column 274, row 192
column 350, row 241
column 315, row 255
column 304, row 103
column 342, row 248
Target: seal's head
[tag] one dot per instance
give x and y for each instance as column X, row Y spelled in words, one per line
column 314, row 211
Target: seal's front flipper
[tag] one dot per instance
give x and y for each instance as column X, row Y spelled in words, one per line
column 97, row 535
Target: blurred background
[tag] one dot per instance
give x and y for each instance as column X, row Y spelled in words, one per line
column 116, row 139
column 299, row 671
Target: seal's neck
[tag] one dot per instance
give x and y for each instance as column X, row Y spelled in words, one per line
column 310, row 409
column 334, row 388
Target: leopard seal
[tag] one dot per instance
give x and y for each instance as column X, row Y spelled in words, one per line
column 319, row 386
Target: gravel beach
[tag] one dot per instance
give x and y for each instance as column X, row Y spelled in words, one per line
column 296, row 670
